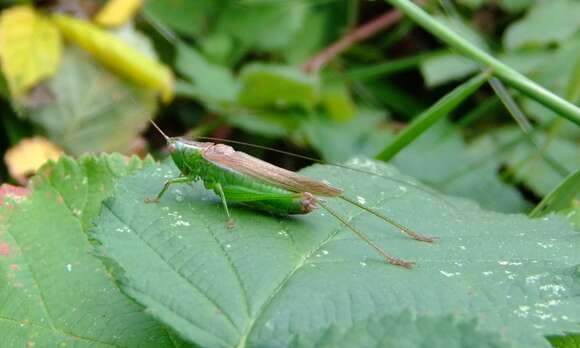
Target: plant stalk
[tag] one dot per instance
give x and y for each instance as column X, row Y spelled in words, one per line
column 499, row 69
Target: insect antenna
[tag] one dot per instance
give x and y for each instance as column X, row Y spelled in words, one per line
column 390, row 221
column 390, row 259
column 159, row 130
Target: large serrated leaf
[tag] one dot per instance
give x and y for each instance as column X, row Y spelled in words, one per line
column 53, row 291
column 272, row 278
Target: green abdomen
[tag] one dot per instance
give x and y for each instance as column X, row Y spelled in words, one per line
column 241, row 188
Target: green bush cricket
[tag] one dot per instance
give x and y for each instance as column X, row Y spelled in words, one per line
column 237, row 177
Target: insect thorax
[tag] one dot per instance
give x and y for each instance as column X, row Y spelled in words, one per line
column 188, row 160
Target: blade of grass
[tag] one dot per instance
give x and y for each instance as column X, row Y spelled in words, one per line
column 526, row 127
column 436, row 112
column 560, row 198
column 499, row 69
column 387, row 68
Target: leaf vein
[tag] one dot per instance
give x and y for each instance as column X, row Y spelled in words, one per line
column 181, row 275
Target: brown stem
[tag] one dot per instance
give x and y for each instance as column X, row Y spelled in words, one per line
column 358, row 34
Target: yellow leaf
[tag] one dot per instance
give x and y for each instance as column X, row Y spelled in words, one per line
column 117, row 12
column 30, row 48
column 28, row 155
column 117, row 55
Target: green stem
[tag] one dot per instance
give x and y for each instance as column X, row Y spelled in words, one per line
column 499, row 69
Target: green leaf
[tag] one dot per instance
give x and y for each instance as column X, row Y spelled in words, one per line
column 445, row 68
column 312, row 35
column 272, row 278
column 337, row 101
column 557, row 72
column 527, row 166
column 212, row 84
column 364, row 134
column 547, row 22
column 459, row 169
column 528, row 62
column 88, row 109
column 463, row 29
column 437, row 111
column 276, row 86
column 186, row 17
column 265, row 122
column 54, row 291
column 262, row 25
column 561, row 197
column 507, row 5
column 403, row 330
column 516, row 5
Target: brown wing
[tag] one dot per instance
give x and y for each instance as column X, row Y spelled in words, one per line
column 225, row 156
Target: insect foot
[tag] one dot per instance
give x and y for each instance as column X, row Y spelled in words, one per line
column 398, row 262
column 230, row 224
column 151, row 200
column 420, row 237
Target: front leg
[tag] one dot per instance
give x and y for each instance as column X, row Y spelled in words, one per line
column 178, row 180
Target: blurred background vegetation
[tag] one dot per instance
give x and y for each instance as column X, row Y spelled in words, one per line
column 330, row 79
